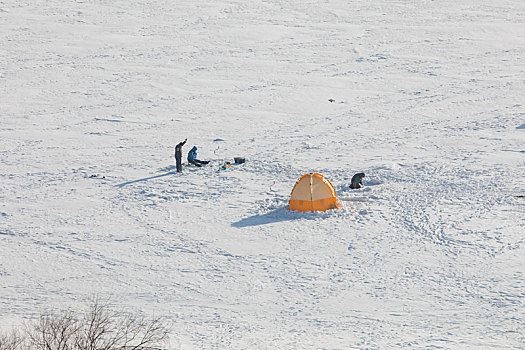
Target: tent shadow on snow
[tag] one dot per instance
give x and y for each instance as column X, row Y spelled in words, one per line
column 278, row 215
column 263, row 219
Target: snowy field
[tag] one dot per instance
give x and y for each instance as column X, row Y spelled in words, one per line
column 428, row 100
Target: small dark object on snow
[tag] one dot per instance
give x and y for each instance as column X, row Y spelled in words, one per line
column 239, row 160
column 357, row 181
column 331, row 100
column 103, row 177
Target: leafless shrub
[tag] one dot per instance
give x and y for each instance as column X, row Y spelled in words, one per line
column 52, row 332
column 99, row 328
column 11, row 341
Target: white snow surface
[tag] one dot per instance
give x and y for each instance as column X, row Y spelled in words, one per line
column 428, row 101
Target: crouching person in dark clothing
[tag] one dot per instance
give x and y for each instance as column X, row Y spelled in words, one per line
column 357, row 181
column 192, row 158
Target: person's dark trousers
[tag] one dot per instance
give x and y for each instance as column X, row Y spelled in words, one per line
column 198, row 163
column 179, row 163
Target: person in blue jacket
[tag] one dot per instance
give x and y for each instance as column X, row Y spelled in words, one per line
column 192, row 158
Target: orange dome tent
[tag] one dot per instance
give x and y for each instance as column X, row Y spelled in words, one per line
column 312, row 192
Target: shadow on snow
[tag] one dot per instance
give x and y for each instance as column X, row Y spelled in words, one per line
column 169, row 170
column 278, row 215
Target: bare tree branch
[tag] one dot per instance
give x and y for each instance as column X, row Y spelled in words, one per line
column 99, row 328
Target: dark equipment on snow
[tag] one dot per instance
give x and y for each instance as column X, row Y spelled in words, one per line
column 239, row 160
